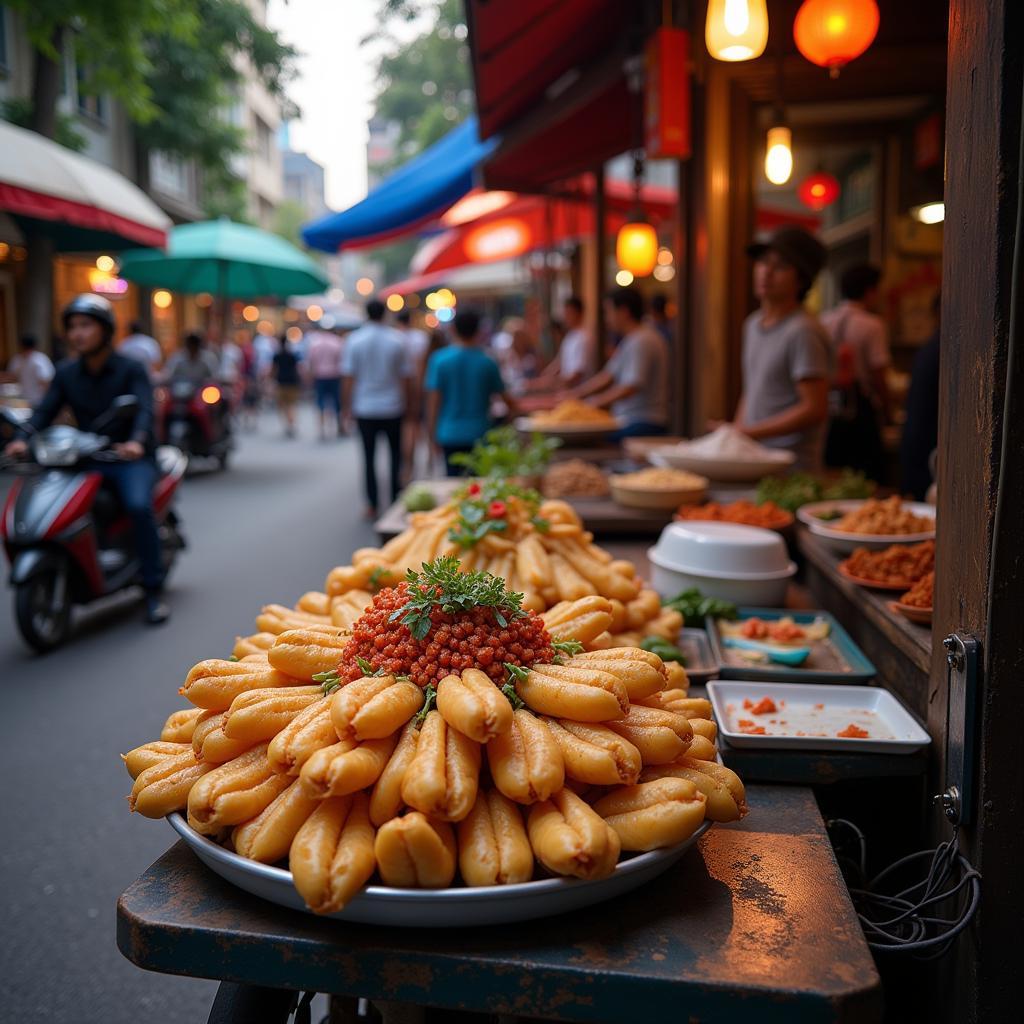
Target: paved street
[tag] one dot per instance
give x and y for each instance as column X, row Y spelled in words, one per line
column 266, row 530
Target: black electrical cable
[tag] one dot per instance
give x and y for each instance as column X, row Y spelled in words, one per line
column 895, row 922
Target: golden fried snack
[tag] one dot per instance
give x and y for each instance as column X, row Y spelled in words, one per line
column 304, row 653
column 442, row 779
column 703, row 727
column 471, row 703
column 702, row 749
column 594, row 754
column 210, row 742
column 679, row 703
column 316, row 602
column 675, row 676
column 165, row 786
column 575, row 692
column 374, row 707
column 276, row 618
column 346, row 766
column 332, row 856
column 179, row 725
column 526, row 763
column 532, row 563
column 268, row 837
column 386, row 799
column 215, row 683
column 305, row 734
column 416, row 852
column 570, row 838
column 570, row 584
column 234, row 792
column 722, row 788
column 493, row 845
column 653, row 815
column 257, row 643
column 599, row 574
column 660, row 736
column 640, row 672
column 258, row 715
column 260, row 656
column 666, row 624
column 149, row 754
column 583, row 620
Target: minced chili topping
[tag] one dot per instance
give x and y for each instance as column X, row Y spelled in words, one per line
column 459, row 640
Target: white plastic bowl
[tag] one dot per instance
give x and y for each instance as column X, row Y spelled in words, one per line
column 744, row 564
column 721, row 549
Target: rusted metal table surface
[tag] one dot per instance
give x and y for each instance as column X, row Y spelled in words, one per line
column 754, row 925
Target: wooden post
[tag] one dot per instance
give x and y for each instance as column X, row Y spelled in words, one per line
column 981, row 453
column 680, row 364
column 600, row 259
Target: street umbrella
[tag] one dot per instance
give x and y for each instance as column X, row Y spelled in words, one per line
column 229, row 260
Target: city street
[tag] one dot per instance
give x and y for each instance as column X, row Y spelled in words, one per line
column 266, row 530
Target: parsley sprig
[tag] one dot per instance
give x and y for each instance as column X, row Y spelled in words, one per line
column 440, row 584
column 483, row 505
column 566, row 647
column 329, row 681
column 429, row 700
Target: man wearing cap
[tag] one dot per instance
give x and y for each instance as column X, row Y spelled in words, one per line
column 786, row 360
column 88, row 386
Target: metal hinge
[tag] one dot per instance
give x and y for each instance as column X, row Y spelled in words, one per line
column 963, row 660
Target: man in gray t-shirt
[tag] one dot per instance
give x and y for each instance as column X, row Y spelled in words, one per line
column 786, row 358
column 634, row 382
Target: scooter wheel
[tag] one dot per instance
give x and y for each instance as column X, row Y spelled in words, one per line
column 42, row 607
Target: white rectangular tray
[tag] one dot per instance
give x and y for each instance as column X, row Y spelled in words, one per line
column 892, row 729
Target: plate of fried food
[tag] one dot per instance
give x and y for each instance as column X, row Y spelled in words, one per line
column 870, row 523
column 897, row 567
column 916, row 603
column 436, row 754
column 765, row 514
column 571, row 419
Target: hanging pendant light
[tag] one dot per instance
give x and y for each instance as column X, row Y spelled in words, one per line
column 736, row 29
column 831, row 33
column 636, row 244
column 778, row 154
column 818, row 190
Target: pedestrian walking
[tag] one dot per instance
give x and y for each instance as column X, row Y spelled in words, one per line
column 461, row 382
column 139, row 345
column 323, row 358
column 31, row 370
column 377, row 377
column 285, row 371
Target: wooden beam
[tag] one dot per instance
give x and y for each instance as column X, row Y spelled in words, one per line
column 980, row 556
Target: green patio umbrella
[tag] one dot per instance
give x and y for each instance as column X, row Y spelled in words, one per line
column 229, row 260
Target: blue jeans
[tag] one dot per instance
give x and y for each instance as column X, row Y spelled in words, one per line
column 133, row 481
column 640, row 430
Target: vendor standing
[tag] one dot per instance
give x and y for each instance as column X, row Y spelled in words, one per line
column 634, row 383
column 786, row 356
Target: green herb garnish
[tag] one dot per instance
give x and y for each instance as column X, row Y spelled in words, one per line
column 503, row 453
column 440, row 584
column 513, row 698
column 329, row 681
column 663, row 648
column 234, row 657
column 696, row 608
column 483, row 505
column 567, row 647
column 516, row 673
column 376, row 576
column 429, row 700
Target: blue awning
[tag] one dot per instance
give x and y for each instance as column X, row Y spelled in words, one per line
column 414, row 194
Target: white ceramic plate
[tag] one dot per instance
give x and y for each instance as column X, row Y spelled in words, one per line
column 440, row 908
column 578, row 431
column 891, row 728
column 839, row 540
column 722, row 469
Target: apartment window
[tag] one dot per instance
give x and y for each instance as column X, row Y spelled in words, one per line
column 169, row 174
column 89, row 104
column 264, row 138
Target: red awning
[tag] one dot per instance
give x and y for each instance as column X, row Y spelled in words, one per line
column 550, row 79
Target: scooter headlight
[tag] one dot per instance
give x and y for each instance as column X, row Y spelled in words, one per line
column 55, row 451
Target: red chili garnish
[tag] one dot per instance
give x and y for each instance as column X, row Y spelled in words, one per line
column 853, row 732
column 497, row 509
column 765, row 706
column 473, row 490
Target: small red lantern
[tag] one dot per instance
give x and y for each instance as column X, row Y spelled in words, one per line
column 831, row 33
column 818, row 190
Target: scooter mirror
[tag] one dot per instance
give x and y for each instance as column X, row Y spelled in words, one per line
column 121, row 408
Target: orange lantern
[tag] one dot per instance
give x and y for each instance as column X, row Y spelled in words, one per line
column 636, row 248
column 818, row 190
column 831, row 33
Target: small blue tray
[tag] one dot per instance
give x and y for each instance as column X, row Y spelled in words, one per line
column 860, row 668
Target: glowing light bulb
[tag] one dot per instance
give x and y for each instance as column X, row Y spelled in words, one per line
column 778, row 157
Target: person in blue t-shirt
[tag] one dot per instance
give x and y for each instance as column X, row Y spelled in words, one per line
column 461, row 381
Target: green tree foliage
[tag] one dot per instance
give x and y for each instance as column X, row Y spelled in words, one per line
column 424, row 85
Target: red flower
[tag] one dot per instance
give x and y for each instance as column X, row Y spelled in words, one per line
column 473, row 490
column 496, row 509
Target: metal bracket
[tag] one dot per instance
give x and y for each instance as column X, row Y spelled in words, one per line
column 963, row 658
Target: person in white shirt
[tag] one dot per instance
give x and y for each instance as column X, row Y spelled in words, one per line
column 576, row 358
column 140, row 346
column 377, row 378
column 31, row 370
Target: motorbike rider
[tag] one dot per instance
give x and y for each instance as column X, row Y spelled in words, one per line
column 194, row 364
column 88, row 385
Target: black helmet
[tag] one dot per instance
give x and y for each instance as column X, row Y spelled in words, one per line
column 90, row 305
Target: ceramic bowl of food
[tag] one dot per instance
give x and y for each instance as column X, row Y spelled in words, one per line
column 652, row 488
column 743, row 564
